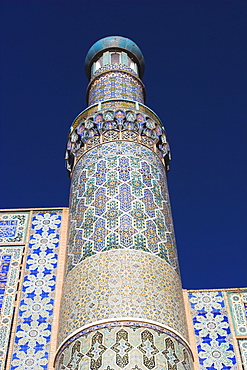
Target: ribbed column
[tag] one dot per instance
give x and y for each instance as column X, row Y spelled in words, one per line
column 122, row 305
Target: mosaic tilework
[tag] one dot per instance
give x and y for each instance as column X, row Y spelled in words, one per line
column 112, row 104
column 34, row 325
column 116, row 84
column 119, row 199
column 129, row 347
column 238, row 307
column 10, row 259
column 114, row 125
column 212, row 331
column 13, row 227
column 4, row 269
column 242, row 343
column 110, row 67
column 122, row 283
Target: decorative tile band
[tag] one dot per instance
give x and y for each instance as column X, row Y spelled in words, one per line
column 113, row 104
column 113, row 125
column 242, row 343
column 116, row 67
column 13, row 227
column 10, row 259
column 115, row 84
column 119, row 322
column 132, row 347
column 122, row 283
column 34, row 326
column 119, row 199
column 212, row 331
column 238, row 307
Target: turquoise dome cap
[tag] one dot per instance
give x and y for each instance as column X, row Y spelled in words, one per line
column 114, row 42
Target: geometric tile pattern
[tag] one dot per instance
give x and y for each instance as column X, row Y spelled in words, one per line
column 110, row 67
column 34, row 325
column 4, row 269
column 10, row 259
column 238, row 307
column 118, row 85
column 126, row 347
column 122, row 283
column 242, row 343
column 119, row 199
column 212, row 331
column 13, row 227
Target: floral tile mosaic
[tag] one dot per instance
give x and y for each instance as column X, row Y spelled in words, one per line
column 13, row 227
column 238, row 307
column 212, row 331
column 126, row 347
column 122, row 283
column 242, row 343
column 10, row 259
column 34, row 325
column 119, row 199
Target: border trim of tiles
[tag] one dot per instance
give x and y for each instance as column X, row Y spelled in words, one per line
column 234, row 337
column 122, row 321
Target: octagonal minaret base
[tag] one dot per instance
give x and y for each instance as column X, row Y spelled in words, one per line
column 122, row 305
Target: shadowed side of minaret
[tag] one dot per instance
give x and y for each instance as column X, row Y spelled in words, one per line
column 122, row 305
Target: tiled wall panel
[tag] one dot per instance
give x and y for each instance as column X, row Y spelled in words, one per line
column 238, row 307
column 13, row 227
column 243, row 351
column 213, row 336
column 35, row 314
column 10, row 259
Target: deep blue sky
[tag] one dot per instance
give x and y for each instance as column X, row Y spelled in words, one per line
column 195, row 53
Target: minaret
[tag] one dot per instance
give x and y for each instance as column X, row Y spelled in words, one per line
column 122, row 305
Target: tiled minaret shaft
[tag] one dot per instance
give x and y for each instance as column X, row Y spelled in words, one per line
column 122, row 305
